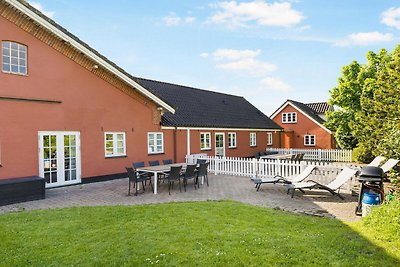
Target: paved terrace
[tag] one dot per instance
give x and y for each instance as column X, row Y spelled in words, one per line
column 222, row 187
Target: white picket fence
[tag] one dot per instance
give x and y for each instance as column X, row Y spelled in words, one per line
column 251, row 167
column 334, row 155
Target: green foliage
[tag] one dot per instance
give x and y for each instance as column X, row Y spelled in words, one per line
column 368, row 97
column 384, row 223
column 185, row 234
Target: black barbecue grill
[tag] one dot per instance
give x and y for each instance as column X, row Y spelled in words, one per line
column 371, row 179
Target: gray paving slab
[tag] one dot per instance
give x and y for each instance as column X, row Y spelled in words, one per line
column 222, row 187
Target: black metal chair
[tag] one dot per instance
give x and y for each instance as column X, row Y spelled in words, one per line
column 167, row 161
column 140, row 164
column 190, row 173
column 199, row 161
column 202, row 172
column 173, row 176
column 154, row 163
column 136, row 178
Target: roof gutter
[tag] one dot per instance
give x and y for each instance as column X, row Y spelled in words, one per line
column 21, row 7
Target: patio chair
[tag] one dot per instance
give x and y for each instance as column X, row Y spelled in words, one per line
column 173, row 176
column 167, row 161
column 390, row 164
column 376, row 161
column 299, row 157
column 333, row 187
column 136, row 178
column 140, row 164
column 202, row 171
column 154, row 163
column 190, row 173
column 280, row 179
column 200, row 161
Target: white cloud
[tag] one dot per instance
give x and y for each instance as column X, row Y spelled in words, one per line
column 235, row 14
column 39, row 7
column 250, row 66
column 365, row 38
column 275, row 84
column 233, row 54
column 204, row 55
column 391, row 17
column 241, row 61
column 173, row 20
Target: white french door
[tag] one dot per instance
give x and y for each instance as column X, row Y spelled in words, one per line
column 219, row 144
column 59, row 158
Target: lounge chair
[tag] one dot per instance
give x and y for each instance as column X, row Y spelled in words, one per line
column 389, row 165
column 333, row 187
column 280, row 179
column 376, row 161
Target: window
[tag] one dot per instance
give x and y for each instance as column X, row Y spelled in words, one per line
column 309, row 140
column 115, row 144
column 14, row 57
column 205, row 141
column 155, row 143
column 231, row 140
column 290, row 117
column 253, row 139
column 269, row 139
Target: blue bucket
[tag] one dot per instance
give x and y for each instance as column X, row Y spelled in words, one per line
column 371, row 198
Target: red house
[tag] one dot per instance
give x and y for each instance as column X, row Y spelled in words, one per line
column 70, row 115
column 303, row 125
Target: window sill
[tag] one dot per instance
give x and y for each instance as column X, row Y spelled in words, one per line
column 13, row 73
column 156, row 153
column 254, row 146
column 289, row 122
column 113, row 157
column 205, row 149
column 232, row 147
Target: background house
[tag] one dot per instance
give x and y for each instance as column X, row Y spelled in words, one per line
column 303, row 125
column 70, row 115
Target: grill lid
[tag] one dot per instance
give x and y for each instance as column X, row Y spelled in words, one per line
column 371, row 172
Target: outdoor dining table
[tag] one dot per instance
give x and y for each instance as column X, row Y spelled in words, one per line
column 277, row 156
column 155, row 170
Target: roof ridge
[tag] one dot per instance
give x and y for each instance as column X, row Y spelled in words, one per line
column 186, row 86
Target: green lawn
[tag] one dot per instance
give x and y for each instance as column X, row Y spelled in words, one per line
column 222, row 233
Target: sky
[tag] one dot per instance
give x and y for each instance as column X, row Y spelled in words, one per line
column 265, row 51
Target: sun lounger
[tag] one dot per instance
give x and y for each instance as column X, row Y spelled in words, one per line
column 389, row 165
column 376, row 161
column 333, row 187
column 280, row 179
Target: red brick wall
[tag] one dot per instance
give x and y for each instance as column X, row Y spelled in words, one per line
column 304, row 125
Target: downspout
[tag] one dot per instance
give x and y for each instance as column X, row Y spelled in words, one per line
column 175, row 143
column 188, row 142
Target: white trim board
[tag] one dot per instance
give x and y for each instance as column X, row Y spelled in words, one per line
column 219, row 129
column 21, row 7
column 302, row 112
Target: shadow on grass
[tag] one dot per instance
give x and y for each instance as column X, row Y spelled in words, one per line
column 221, row 233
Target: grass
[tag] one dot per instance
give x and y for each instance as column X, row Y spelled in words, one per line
column 222, row 233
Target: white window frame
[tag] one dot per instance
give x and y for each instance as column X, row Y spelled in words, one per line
column 14, row 58
column 115, row 144
column 253, row 139
column 205, row 136
column 308, row 138
column 232, row 140
column 289, row 117
column 270, row 141
column 153, row 149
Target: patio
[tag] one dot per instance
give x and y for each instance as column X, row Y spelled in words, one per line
column 222, row 187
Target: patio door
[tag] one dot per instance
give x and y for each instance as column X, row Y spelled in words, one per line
column 219, row 144
column 59, row 158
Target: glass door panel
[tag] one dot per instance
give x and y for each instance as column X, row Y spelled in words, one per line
column 219, row 145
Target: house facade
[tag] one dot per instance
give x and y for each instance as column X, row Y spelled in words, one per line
column 70, row 115
column 303, row 125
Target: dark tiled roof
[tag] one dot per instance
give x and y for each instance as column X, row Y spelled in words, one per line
column 202, row 108
column 306, row 109
column 320, row 107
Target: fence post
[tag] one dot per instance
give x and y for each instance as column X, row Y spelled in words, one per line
column 216, row 165
column 254, row 167
column 319, row 155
